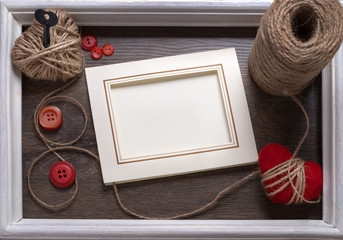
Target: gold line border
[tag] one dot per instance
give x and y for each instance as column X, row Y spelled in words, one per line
column 109, row 114
column 175, row 155
column 228, row 99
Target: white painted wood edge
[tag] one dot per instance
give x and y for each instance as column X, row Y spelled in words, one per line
column 337, row 144
column 140, row 5
column 150, row 13
column 12, row 226
column 328, row 120
column 10, row 125
column 332, row 117
column 181, row 229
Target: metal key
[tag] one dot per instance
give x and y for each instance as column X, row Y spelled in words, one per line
column 47, row 19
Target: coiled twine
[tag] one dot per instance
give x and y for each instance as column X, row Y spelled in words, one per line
column 295, row 41
column 62, row 60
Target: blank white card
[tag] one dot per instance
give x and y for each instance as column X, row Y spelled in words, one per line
column 171, row 115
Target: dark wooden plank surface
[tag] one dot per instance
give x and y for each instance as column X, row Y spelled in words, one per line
column 274, row 119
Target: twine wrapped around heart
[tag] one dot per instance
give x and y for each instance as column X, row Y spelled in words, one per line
column 288, row 172
column 62, row 60
column 287, row 179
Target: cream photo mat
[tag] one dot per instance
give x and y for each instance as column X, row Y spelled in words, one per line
column 171, row 115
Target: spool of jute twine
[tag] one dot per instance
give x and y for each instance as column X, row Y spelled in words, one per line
column 61, row 61
column 295, row 41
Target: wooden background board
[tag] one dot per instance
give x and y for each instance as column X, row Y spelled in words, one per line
column 274, row 119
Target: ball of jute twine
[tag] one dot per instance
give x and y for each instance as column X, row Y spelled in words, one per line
column 62, row 60
column 295, row 41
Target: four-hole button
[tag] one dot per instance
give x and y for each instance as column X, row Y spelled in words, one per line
column 50, row 117
column 62, row 174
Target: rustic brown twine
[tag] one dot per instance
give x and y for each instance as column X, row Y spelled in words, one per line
column 295, row 41
column 289, row 172
column 62, row 60
column 61, row 146
column 66, row 146
column 55, row 150
column 191, row 213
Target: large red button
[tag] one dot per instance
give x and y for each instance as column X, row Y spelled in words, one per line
column 108, row 49
column 96, row 53
column 62, row 174
column 50, row 117
column 88, row 42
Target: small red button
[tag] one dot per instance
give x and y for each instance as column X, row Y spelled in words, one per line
column 88, row 42
column 108, row 49
column 62, row 174
column 96, row 53
column 50, row 117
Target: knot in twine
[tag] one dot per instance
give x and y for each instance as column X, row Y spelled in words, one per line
column 62, row 60
column 295, row 41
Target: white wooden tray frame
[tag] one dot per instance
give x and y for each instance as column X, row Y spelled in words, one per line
column 15, row 13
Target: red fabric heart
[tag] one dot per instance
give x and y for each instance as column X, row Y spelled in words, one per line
column 275, row 154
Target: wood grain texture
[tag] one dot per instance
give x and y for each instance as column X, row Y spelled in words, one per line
column 274, row 119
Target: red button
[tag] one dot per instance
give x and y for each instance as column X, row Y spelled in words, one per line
column 88, row 42
column 62, row 174
column 50, row 117
column 96, row 53
column 108, row 49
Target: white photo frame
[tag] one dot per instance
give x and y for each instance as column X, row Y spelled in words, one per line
column 15, row 13
column 172, row 115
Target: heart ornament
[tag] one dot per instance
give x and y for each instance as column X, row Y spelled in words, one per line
column 288, row 180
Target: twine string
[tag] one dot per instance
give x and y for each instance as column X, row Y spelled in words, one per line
column 54, row 150
column 61, row 146
column 289, row 171
column 66, row 146
column 191, row 213
column 65, row 98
